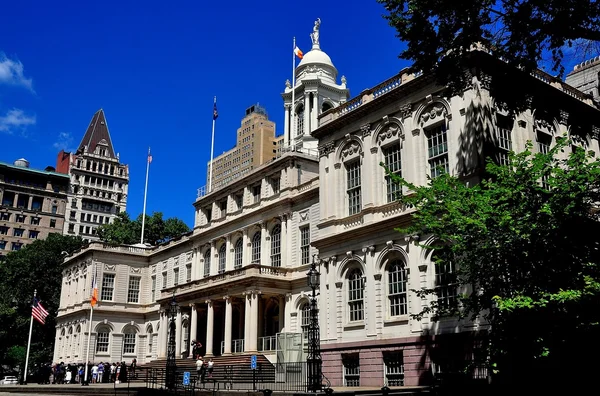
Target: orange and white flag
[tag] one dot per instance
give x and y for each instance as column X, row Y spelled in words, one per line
column 94, row 299
column 298, row 52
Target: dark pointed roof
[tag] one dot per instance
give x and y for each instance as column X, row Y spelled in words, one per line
column 97, row 133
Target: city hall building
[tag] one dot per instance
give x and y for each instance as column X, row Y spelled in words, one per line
column 239, row 277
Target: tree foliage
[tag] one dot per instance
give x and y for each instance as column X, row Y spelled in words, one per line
column 36, row 266
column 438, row 33
column 123, row 230
column 525, row 244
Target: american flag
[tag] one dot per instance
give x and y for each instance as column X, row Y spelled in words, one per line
column 38, row 312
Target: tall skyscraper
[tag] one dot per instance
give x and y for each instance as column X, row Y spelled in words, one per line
column 99, row 181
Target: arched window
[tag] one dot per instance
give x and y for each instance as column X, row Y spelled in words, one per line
column 149, row 335
column 353, row 187
column 393, row 161
column 397, row 289
column 102, row 339
column 238, row 254
column 300, row 121
column 70, row 340
column 355, row 295
column 77, row 339
column 305, row 323
column 256, row 248
column 222, row 258
column 276, row 246
column 437, row 150
column 207, row 263
column 326, row 106
column 61, row 343
column 185, row 335
column 129, row 340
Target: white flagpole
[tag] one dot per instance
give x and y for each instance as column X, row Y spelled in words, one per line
column 212, row 150
column 29, row 343
column 292, row 108
column 87, row 355
column 145, row 195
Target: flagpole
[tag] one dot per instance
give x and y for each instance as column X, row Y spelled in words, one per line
column 145, row 196
column 87, row 356
column 29, row 343
column 212, row 150
column 292, row 107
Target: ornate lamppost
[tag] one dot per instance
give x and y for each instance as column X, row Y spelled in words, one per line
column 314, row 361
column 171, row 369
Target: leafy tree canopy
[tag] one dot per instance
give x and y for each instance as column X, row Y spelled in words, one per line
column 438, row 33
column 123, row 230
column 525, row 246
column 36, row 266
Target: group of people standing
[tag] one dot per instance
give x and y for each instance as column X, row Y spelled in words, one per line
column 61, row 373
column 202, row 368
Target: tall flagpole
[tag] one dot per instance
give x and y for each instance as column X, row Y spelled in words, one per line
column 145, row 195
column 212, row 150
column 292, row 108
column 29, row 343
column 87, row 355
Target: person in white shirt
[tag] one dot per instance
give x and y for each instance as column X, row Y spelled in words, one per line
column 94, row 373
column 200, row 368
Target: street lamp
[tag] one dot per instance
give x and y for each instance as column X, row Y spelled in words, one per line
column 171, row 369
column 314, row 361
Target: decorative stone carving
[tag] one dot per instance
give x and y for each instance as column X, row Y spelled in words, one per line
column 390, row 131
column 564, row 117
column 433, row 112
column 304, row 215
column 188, row 256
column 326, row 149
column 164, row 265
column 109, row 267
column 468, row 80
column 343, row 80
column 153, row 269
column 522, row 123
column 339, row 284
column 337, row 165
column 135, row 270
column 542, row 124
column 406, row 110
column 595, row 132
column 377, row 277
column 288, row 84
column 485, row 81
column 314, row 36
column 416, row 132
column 351, row 149
column 365, row 130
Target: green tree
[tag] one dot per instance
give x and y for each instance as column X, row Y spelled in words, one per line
column 525, row 252
column 438, row 33
column 123, row 230
column 36, row 266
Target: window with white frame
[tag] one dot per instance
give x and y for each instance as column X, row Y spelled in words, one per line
column 397, row 289
column 355, row 296
column 305, row 310
column 393, row 161
column 153, row 290
column 504, row 126
column 300, row 121
column 175, row 276
column 353, row 189
column 544, row 141
column 437, row 151
column 276, row 246
column 238, row 254
column 445, row 281
column 133, row 292
column 351, row 363
column 149, row 333
column 129, row 341
column 222, row 258
column 108, row 287
column 164, row 280
column 394, row 368
column 102, row 339
column 207, row 263
column 256, row 248
column 239, row 200
column 256, row 193
column 305, row 244
column 275, row 185
column 188, row 272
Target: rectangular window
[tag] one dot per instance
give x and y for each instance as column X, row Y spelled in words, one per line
column 351, row 364
column 33, row 234
column 35, row 221
column 504, row 130
column 4, row 216
column 208, row 214
column 18, row 232
column 102, row 342
column 108, row 287
column 256, row 193
column 133, row 294
column 52, row 223
column 275, row 185
column 445, row 283
column 17, row 245
column 393, row 162
column 397, row 289
column 305, row 244
column 394, row 368
column 153, row 291
column 188, row 272
column 544, row 141
column 175, row 276
column 2, row 245
column 3, row 230
column 239, row 200
column 355, row 296
column 223, row 207
column 353, row 187
column 20, row 218
column 437, row 151
column 129, row 343
column 164, row 280
column 54, row 209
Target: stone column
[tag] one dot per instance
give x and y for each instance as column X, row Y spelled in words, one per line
column 254, row 322
column 196, row 274
column 164, row 332
column 264, row 256
column 210, row 321
column 214, row 260
column 16, row 199
column 178, row 334
column 286, row 125
column 314, row 114
column 247, row 320
column 246, row 248
column 289, row 251
column 30, row 202
column 228, row 253
column 284, row 240
column 281, row 300
column 287, row 313
column 306, row 113
column 193, row 328
column 228, row 324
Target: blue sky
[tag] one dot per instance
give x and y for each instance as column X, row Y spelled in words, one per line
column 154, row 68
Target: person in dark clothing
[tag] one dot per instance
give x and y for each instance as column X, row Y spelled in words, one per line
column 123, row 373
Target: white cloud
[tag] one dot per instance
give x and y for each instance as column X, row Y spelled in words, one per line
column 64, row 142
column 16, row 120
column 11, row 73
